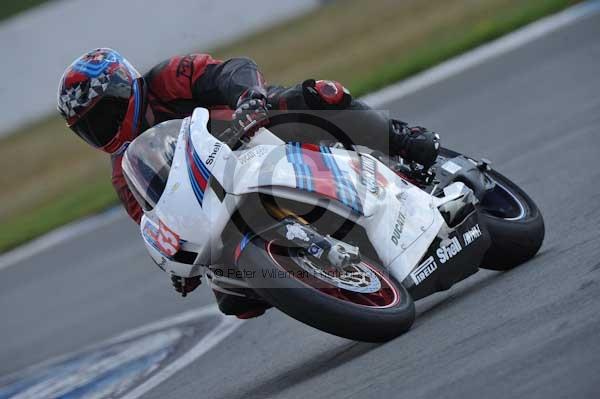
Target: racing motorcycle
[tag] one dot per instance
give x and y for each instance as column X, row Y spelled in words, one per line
column 339, row 237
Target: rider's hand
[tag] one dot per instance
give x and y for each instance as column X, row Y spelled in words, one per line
column 425, row 145
column 251, row 113
column 415, row 144
column 184, row 285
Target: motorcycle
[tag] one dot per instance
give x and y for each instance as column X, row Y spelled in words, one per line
column 341, row 238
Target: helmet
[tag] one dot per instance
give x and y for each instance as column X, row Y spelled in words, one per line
column 95, row 94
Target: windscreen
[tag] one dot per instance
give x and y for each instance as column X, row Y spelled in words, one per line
column 147, row 162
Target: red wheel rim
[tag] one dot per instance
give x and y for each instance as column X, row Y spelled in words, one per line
column 386, row 297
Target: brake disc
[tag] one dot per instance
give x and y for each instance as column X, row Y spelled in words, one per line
column 353, row 277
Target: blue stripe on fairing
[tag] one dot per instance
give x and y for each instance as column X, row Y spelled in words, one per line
column 201, row 167
column 308, row 177
column 343, row 182
column 302, row 167
column 195, row 184
column 298, row 166
column 290, row 153
column 203, row 171
column 245, row 241
column 197, row 161
column 328, row 163
column 288, row 156
column 306, row 169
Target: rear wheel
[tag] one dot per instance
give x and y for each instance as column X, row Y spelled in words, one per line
column 361, row 302
column 514, row 222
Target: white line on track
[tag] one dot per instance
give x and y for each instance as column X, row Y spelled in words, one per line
column 427, row 78
column 181, row 318
column 212, row 339
column 226, row 326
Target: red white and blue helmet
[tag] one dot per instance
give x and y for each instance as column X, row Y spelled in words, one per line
column 96, row 93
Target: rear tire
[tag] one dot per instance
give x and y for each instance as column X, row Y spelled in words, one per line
column 514, row 240
column 315, row 307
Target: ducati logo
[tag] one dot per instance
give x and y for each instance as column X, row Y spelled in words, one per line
column 398, row 227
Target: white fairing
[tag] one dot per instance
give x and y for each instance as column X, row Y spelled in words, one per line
column 400, row 220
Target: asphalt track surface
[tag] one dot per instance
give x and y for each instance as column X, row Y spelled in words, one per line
column 531, row 332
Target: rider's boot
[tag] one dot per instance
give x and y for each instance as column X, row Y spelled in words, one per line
column 414, row 144
column 242, row 308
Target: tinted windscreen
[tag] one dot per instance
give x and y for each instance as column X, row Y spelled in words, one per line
column 147, row 162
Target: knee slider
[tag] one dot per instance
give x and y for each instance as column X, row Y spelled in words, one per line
column 325, row 94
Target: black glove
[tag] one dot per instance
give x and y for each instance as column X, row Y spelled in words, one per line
column 183, row 285
column 251, row 113
column 415, row 144
column 424, row 145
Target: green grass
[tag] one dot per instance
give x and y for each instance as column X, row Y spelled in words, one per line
column 9, row 8
column 448, row 46
column 87, row 199
column 52, row 178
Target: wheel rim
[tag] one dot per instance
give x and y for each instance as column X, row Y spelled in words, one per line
column 503, row 203
column 371, row 289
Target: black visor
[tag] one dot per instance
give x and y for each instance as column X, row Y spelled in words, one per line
column 101, row 124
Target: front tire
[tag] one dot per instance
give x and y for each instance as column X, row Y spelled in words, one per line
column 372, row 317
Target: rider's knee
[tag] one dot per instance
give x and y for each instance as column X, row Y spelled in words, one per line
column 325, row 94
column 312, row 95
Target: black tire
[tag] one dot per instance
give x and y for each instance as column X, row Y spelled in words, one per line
column 323, row 311
column 515, row 239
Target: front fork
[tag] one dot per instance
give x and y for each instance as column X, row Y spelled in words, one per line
column 322, row 247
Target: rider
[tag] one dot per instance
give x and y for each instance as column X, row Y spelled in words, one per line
column 107, row 103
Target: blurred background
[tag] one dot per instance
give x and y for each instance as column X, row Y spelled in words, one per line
column 531, row 106
column 50, row 177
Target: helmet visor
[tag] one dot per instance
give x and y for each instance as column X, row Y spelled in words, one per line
column 101, row 124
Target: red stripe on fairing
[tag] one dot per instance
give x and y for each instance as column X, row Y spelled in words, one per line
column 200, row 179
column 237, row 252
column 197, row 175
column 322, row 177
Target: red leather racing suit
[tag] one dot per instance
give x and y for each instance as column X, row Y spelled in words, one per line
column 175, row 87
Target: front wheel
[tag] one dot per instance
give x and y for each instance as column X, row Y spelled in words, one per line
column 362, row 302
